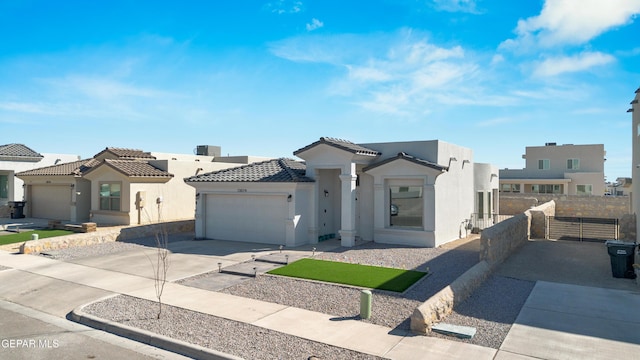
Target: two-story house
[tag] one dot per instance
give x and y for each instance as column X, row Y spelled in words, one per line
column 558, row 169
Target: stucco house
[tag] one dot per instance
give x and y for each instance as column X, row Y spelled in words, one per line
column 15, row 158
column 420, row 193
column 558, row 169
column 119, row 186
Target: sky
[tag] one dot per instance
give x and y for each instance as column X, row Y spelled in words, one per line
column 268, row 77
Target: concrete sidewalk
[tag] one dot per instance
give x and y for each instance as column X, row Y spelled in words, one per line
column 349, row 334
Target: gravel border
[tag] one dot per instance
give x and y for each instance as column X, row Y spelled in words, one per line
column 231, row 337
column 491, row 309
column 77, row 252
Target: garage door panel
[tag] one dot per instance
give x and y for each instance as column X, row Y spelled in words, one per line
column 246, row 218
column 50, row 202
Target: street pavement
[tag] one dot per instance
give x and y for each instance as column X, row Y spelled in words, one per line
column 30, row 334
column 558, row 321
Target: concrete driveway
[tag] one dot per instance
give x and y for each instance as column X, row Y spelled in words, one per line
column 577, row 310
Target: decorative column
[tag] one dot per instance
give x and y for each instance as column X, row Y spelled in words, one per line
column 314, row 232
column 348, row 207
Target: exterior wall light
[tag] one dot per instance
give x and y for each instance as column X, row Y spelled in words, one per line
column 326, row 193
column 289, row 198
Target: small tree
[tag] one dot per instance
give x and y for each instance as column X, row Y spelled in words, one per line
column 161, row 264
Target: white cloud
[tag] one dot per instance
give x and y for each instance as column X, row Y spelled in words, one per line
column 401, row 73
column 496, row 122
column 559, row 65
column 284, row 6
column 315, row 24
column 571, row 22
column 467, row 6
column 497, row 59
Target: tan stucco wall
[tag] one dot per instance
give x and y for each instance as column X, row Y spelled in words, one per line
column 578, row 206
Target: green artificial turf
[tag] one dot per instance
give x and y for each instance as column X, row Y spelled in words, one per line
column 24, row 236
column 373, row 277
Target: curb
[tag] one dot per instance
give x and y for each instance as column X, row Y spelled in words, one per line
column 146, row 337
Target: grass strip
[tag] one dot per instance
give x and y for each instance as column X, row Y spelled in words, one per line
column 374, row 277
column 25, row 236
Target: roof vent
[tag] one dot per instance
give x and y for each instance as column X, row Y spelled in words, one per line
column 550, row 144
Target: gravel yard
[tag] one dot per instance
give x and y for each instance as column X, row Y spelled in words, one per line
column 492, row 309
column 78, row 252
column 4, row 268
column 388, row 309
column 236, row 338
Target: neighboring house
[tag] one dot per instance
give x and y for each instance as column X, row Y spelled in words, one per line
column 622, row 187
column 119, row 187
column 420, row 193
column 558, row 169
column 15, row 158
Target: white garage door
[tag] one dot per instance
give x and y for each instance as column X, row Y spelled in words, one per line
column 249, row 218
column 50, row 202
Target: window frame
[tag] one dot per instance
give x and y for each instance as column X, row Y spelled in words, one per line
column 111, row 198
column 405, row 187
column 4, row 191
column 544, row 164
column 590, row 192
column 573, row 164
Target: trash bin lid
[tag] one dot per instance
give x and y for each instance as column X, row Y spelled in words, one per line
column 619, row 243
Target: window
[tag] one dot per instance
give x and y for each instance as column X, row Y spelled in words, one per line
column 407, row 206
column 480, row 205
column 584, row 189
column 4, row 187
column 573, row 164
column 510, row 188
column 110, row 196
column 546, row 189
column 543, row 164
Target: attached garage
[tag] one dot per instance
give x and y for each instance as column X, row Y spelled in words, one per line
column 265, row 202
column 246, row 217
column 50, row 202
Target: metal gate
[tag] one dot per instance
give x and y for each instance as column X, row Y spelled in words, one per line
column 580, row 228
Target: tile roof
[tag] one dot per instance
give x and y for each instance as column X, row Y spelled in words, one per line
column 340, row 144
column 276, row 170
column 19, row 151
column 124, row 153
column 76, row 168
column 407, row 157
column 134, row 168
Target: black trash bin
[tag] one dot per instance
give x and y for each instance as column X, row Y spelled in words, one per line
column 621, row 254
column 17, row 209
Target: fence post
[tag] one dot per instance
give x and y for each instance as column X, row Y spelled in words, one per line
column 580, row 228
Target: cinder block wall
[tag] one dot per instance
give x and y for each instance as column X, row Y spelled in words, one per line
column 611, row 207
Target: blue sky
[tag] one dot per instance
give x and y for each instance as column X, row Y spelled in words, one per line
column 268, row 77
